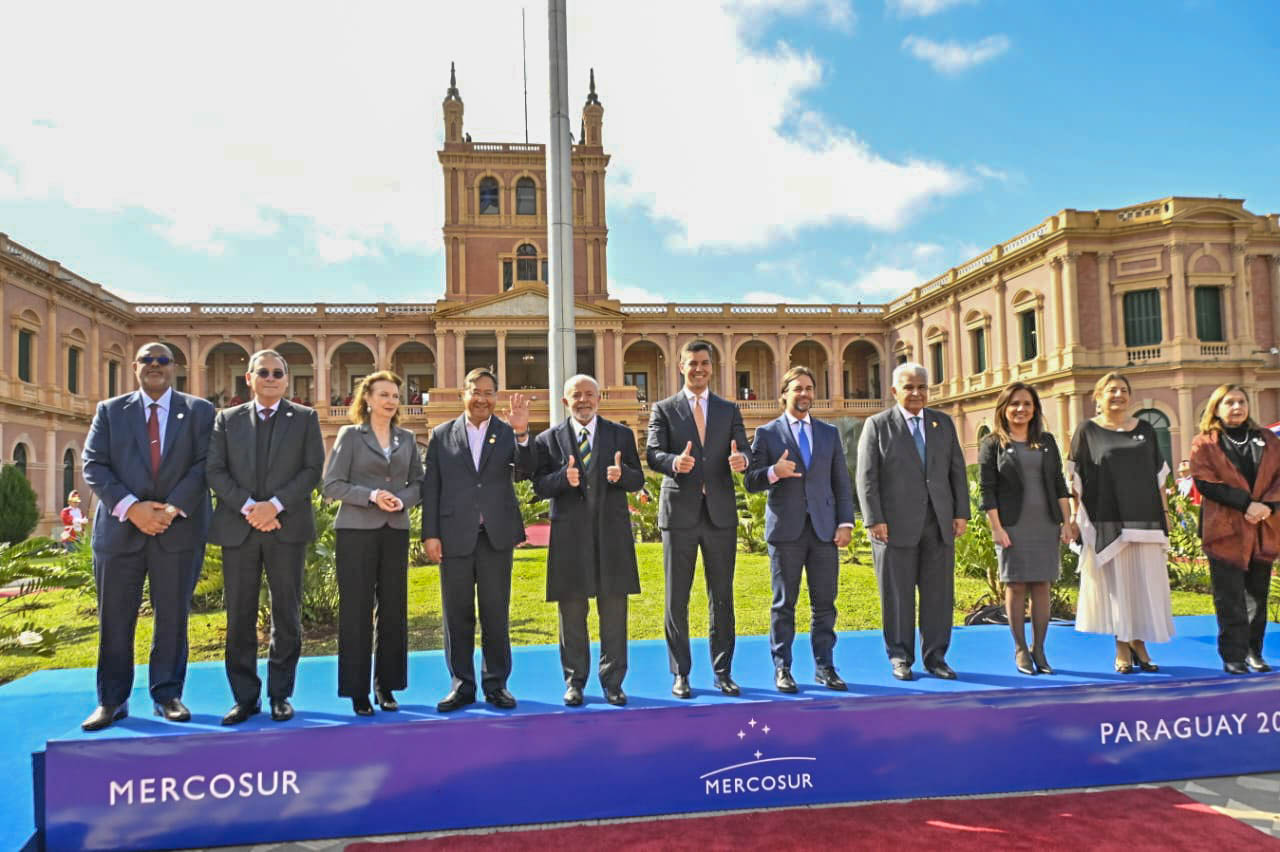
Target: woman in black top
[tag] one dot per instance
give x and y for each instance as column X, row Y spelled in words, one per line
column 1025, row 498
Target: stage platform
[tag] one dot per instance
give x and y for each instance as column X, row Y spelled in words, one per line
column 150, row 784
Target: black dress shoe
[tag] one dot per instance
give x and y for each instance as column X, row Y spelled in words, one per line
column 502, row 699
column 783, row 680
column 360, row 704
column 173, row 710
column 573, row 696
column 725, row 684
column 827, row 676
column 942, row 670
column 902, row 670
column 680, row 689
column 616, row 697
column 1255, row 662
column 1235, row 667
column 1042, row 663
column 241, row 713
column 281, row 710
column 386, row 700
column 454, row 700
column 104, row 715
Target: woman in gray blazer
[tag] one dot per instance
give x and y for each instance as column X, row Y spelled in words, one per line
column 376, row 473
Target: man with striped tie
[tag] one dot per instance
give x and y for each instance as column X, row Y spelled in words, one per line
column 586, row 466
column 915, row 503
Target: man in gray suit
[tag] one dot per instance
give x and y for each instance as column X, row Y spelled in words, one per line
column 265, row 459
column 915, row 503
column 471, row 523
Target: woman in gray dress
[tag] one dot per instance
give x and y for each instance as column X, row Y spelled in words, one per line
column 1026, row 500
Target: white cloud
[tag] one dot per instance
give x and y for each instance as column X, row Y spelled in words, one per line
column 923, row 8
column 925, row 251
column 766, row 297
column 952, row 57
column 228, row 126
column 631, row 294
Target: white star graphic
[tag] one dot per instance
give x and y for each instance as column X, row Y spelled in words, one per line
column 752, row 723
column 757, row 754
column 741, row 734
column 765, row 729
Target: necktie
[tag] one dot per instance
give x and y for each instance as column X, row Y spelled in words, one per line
column 700, row 420
column 806, row 454
column 153, row 435
column 265, row 414
column 584, row 449
column 917, row 434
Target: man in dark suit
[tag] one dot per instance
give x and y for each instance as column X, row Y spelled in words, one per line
column 144, row 457
column 915, row 502
column 265, row 459
column 694, row 440
column 800, row 461
column 586, row 466
column 471, row 523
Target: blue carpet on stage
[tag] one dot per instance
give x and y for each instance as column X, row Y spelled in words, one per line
column 48, row 705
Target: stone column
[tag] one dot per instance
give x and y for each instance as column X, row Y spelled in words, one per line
column 617, row 379
column 8, row 350
column 957, row 348
column 1055, row 306
column 52, row 463
column 321, row 394
column 442, row 380
column 195, row 367
column 597, row 353
column 728, row 380
column 1178, row 292
column 1107, row 338
column 382, row 353
column 1180, row 436
column 918, row 354
column 1064, row 419
column 673, row 364
column 257, row 343
column 1275, row 300
column 837, row 367
column 502, row 356
column 1244, row 299
column 92, row 362
column 1000, row 346
column 53, row 385
column 460, row 356
column 1070, row 304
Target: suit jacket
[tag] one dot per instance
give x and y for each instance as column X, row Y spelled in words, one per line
column 592, row 549
column 1003, row 484
column 894, row 488
column 671, row 427
column 455, row 495
column 294, row 463
column 824, row 493
column 357, row 466
column 117, row 463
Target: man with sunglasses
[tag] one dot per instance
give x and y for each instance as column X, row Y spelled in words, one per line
column 265, row 459
column 145, row 459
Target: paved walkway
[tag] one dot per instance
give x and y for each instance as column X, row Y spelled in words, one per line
column 1252, row 799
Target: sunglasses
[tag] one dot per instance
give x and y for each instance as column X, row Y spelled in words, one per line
column 263, row 372
column 158, row 360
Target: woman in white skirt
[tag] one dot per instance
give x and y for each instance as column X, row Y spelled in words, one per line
column 1121, row 509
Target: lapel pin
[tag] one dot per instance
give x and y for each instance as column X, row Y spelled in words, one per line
column 288, row 414
column 180, row 415
column 493, row 439
column 935, row 424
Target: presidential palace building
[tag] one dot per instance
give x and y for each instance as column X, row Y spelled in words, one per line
column 1181, row 293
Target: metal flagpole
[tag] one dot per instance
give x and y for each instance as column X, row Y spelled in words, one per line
column 562, row 348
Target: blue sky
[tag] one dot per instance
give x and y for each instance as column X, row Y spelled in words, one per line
column 763, row 150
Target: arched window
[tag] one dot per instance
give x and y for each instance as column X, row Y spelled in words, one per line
column 526, row 197
column 983, row 431
column 68, row 474
column 1160, row 423
column 489, row 196
column 526, row 262
column 20, row 458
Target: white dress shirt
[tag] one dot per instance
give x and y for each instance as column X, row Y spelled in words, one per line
column 701, row 400
column 162, row 416
column 907, row 415
column 258, row 408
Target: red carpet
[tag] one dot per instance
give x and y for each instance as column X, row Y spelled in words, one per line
column 1128, row 820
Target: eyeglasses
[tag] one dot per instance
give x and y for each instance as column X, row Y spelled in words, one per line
column 158, row 360
column 263, row 373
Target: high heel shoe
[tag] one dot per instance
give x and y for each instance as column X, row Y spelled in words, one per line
column 1022, row 659
column 386, row 700
column 1124, row 658
column 1042, row 664
column 360, row 704
column 1141, row 658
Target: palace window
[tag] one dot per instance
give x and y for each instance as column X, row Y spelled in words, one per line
column 526, row 262
column 1160, row 423
column 489, row 197
column 20, row 458
column 68, row 474
column 506, row 275
column 73, row 370
column 1209, row 313
column 935, row 362
column 25, row 341
column 526, row 197
column 113, row 378
column 979, row 339
column 1142, row 326
column 1030, row 340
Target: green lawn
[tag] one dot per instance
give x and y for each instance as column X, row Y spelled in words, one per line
column 533, row 620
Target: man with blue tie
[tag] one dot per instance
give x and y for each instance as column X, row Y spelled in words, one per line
column 800, row 461
column 915, row 502
column 144, row 457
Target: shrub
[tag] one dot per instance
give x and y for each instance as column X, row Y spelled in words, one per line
column 320, row 573
column 533, row 509
column 18, row 512
column 40, row 564
column 644, row 509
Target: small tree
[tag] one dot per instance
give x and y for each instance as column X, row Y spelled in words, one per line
column 18, row 512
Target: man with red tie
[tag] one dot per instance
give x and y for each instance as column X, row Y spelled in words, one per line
column 144, row 457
